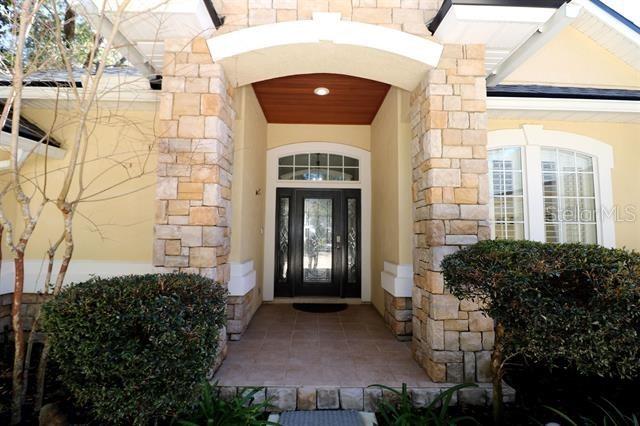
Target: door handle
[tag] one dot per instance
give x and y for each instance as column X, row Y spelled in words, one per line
column 338, row 242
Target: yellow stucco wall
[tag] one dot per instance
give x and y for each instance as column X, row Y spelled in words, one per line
column 112, row 224
column 574, row 59
column 283, row 134
column 391, row 219
column 625, row 140
column 248, row 189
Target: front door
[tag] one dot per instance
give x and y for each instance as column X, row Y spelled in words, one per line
column 317, row 242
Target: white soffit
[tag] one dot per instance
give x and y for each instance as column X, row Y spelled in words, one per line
column 147, row 23
column 609, row 32
column 325, row 44
column 502, row 29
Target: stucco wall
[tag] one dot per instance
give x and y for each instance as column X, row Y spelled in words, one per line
column 284, row 134
column 121, row 219
column 391, row 191
column 248, row 189
column 574, row 59
column 625, row 140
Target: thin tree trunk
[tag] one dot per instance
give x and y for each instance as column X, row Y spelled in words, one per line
column 498, row 371
column 18, row 332
column 67, row 211
column 27, row 362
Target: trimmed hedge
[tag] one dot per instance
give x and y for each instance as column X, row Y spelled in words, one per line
column 136, row 347
column 562, row 305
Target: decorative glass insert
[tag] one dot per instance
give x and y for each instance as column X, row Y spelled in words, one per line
column 505, row 171
column 283, row 231
column 569, row 196
column 352, row 240
column 319, row 167
column 317, row 240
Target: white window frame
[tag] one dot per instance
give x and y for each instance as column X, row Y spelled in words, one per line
column 525, row 193
column 532, row 138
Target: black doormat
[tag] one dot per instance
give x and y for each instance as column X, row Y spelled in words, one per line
column 320, row 308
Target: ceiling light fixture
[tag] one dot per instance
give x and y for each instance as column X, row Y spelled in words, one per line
column 321, row 91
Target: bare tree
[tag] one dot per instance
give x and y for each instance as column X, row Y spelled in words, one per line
column 85, row 62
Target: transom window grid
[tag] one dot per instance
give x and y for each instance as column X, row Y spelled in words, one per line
column 318, row 167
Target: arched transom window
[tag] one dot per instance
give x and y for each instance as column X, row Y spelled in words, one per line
column 550, row 186
column 318, row 167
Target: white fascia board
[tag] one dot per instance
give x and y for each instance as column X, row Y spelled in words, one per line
column 111, row 93
column 609, row 20
column 562, row 104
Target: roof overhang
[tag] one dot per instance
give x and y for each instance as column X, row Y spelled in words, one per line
column 503, row 26
column 145, row 24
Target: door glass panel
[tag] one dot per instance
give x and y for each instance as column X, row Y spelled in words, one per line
column 317, row 240
column 352, row 240
column 283, row 232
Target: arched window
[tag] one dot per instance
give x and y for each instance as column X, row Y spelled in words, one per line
column 550, row 186
column 318, row 167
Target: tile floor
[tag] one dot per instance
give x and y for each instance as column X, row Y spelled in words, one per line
column 352, row 348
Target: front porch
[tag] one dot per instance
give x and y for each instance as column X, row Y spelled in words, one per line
column 326, row 361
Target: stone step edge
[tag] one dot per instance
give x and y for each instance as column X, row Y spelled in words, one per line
column 291, row 398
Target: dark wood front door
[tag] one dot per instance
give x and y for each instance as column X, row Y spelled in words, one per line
column 317, row 242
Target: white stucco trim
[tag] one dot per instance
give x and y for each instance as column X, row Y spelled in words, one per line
column 243, row 278
column 533, row 138
column 397, row 280
column 325, row 44
column 272, row 183
column 79, row 270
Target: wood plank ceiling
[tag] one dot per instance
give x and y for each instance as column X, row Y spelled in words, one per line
column 351, row 100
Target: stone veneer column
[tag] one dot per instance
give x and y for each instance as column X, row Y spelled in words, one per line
column 193, row 193
column 452, row 339
column 195, row 155
column 398, row 315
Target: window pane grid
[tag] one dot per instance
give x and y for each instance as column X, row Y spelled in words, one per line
column 569, row 197
column 505, row 167
column 318, row 167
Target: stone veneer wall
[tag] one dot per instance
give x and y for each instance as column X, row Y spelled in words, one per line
column 404, row 15
column 398, row 315
column 240, row 310
column 452, row 339
column 195, row 156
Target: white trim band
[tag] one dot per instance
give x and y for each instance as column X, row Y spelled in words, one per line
column 397, row 280
column 243, row 278
column 79, row 270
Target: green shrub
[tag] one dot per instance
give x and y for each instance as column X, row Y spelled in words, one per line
column 400, row 411
column 562, row 305
column 136, row 347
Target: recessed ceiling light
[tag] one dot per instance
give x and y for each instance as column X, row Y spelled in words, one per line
column 321, row 91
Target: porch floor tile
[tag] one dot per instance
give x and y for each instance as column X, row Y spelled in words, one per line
column 352, row 348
